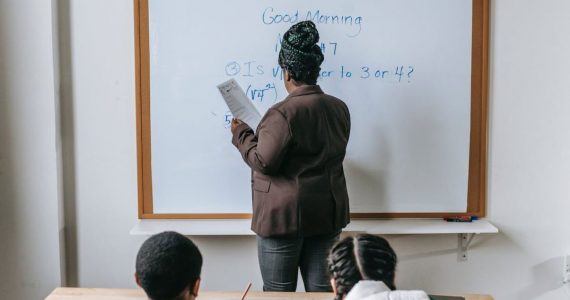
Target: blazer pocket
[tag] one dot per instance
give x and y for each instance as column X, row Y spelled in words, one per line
column 261, row 185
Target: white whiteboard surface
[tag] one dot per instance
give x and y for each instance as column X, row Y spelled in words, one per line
column 409, row 144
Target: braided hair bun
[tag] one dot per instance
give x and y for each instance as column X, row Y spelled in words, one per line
column 300, row 55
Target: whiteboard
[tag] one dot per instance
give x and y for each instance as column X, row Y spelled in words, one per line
column 402, row 67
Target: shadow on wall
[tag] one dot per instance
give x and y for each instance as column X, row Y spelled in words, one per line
column 9, row 229
column 546, row 277
column 63, row 12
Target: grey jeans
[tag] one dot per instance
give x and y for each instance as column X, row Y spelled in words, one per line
column 280, row 258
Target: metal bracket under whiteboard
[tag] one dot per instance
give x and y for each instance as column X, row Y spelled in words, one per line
column 463, row 242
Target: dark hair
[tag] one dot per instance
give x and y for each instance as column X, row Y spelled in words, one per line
column 300, row 55
column 167, row 263
column 362, row 257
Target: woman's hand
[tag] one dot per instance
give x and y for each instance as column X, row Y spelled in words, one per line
column 235, row 123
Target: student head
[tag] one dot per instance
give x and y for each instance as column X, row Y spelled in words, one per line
column 168, row 267
column 361, row 257
column 300, row 57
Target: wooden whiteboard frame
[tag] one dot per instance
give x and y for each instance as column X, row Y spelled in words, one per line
column 477, row 178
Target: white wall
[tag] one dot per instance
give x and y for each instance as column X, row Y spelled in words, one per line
column 99, row 147
column 29, row 191
column 529, row 197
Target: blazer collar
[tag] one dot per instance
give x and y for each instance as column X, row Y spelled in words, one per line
column 306, row 90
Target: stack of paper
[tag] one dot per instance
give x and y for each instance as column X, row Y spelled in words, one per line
column 240, row 106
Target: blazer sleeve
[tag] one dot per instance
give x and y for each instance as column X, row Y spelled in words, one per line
column 264, row 152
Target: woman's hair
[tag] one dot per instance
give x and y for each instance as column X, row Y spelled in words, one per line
column 361, row 257
column 167, row 263
column 300, row 55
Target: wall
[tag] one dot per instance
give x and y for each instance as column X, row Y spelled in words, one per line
column 30, row 219
column 528, row 168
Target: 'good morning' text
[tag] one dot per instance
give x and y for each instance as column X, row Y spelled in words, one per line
column 353, row 23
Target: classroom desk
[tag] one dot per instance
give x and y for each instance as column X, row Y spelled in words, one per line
column 138, row 294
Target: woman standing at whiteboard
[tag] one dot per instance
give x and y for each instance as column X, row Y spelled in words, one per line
column 300, row 200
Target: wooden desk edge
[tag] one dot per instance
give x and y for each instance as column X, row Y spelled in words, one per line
column 62, row 293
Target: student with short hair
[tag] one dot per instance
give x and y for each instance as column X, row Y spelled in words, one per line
column 168, row 267
column 363, row 267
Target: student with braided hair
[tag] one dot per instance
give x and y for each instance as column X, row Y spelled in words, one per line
column 363, row 267
column 300, row 200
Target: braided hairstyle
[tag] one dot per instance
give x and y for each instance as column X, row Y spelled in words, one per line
column 300, row 55
column 361, row 257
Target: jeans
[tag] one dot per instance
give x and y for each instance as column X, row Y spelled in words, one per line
column 280, row 258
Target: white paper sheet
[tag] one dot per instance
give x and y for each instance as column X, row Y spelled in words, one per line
column 238, row 103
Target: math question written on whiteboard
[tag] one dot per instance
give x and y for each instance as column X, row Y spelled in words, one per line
column 408, row 89
column 238, row 103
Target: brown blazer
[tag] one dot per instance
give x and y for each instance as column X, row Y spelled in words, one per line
column 296, row 157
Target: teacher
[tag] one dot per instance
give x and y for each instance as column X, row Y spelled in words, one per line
column 300, row 200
